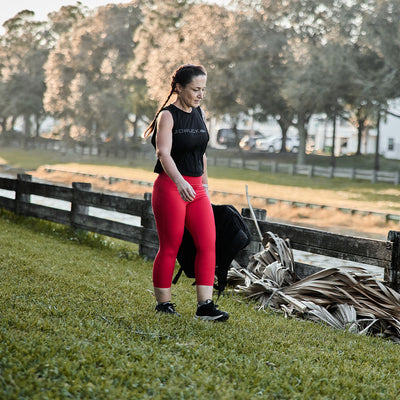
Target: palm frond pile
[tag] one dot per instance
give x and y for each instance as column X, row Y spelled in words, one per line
column 347, row 298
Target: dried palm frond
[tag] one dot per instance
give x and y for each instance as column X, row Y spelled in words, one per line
column 346, row 298
column 235, row 275
column 280, row 249
column 316, row 313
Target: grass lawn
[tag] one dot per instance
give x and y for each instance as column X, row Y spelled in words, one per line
column 77, row 321
column 33, row 158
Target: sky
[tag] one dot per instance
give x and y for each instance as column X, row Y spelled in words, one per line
column 9, row 8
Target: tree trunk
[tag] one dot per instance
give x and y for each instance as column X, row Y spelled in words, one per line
column 37, row 127
column 359, row 137
column 302, row 128
column 284, row 128
column 333, row 158
column 237, row 138
column 135, row 129
column 378, row 134
column 12, row 127
column 27, row 125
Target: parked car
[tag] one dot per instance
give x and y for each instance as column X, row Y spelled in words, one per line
column 274, row 144
column 248, row 142
column 227, row 137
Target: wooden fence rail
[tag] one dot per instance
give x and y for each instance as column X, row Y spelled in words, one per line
column 267, row 200
column 80, row 200
column 308, row 170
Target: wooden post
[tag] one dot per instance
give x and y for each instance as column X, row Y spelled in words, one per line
column 374, row 177
column 396, row 179
column 392, row 274
column 77, row 208
column 149, row 230
column 255, row 245
column 22, row 194
column 260, row 213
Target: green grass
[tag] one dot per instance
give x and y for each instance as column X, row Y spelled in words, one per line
column 32, row 159
column 324, row 160
column 77, row 321
column 359, row 190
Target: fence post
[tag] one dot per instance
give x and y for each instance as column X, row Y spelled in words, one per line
column 22, row 193
column 255, row 245
column 374, row 177
column 260, row 213
column 149, row 224
column 77, row 208
column 392, row 274
column 396, row 178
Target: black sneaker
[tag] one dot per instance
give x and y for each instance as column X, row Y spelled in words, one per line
column 209, row 312
column 166, row 308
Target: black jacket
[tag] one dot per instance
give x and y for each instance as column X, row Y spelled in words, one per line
column 232, row 235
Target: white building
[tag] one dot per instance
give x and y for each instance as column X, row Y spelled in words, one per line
column 389, row 143
column 320, row 130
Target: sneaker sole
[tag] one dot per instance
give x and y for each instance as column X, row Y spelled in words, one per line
column 218, row 318
column 167, row 313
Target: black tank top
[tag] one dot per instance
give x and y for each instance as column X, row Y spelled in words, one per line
column 189, row 141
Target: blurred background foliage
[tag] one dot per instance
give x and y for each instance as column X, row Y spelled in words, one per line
column 101, row 73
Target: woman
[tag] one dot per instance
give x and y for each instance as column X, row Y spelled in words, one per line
column 180, row 193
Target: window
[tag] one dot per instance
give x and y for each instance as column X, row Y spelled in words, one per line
column 390, row 144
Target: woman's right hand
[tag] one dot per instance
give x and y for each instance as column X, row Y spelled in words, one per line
column 186, row 190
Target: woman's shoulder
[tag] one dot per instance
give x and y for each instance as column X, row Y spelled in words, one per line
column 171, row 108
column 165, row 115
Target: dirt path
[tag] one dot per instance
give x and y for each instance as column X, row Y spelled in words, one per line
column 331, row 220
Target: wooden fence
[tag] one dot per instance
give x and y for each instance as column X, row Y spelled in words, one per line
column 308, row 170
column 267, row 200
column 80, row 198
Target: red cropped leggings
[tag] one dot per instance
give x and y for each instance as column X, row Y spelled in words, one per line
column 172, row 214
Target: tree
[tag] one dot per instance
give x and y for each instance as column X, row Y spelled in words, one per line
column 141, row 107
column 157, row 55
column 335, row 86
column 383, row 37
column 294, row 33
column 87, row 73
column 23, row 52
column 262, row 68
column 167, row 39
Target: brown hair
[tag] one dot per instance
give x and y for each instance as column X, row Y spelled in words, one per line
column 183, row 75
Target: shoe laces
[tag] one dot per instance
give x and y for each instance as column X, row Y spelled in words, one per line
column 171, row 305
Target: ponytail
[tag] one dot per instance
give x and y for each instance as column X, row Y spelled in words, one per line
column 150, row 129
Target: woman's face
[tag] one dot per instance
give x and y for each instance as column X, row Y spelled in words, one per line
column 192, row 94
